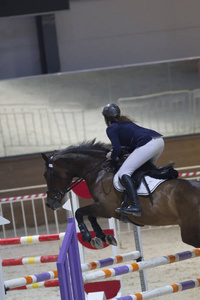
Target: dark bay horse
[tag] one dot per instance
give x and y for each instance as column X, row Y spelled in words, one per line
column 175, row 201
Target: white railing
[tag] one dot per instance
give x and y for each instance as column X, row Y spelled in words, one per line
column 33, row 200
column 32, row 129
column 39, row 127
column 170, row 113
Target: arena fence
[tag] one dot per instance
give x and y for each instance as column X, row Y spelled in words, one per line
column 172, row 113
column 33, row 129
column 39, row 213
column 39, row 126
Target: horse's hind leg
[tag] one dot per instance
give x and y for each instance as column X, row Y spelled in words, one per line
column 108, row 239
column 190, row 233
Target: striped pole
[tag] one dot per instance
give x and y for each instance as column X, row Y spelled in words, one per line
column 17, row 282
column 32, row 239
column 26, row 197
column 107, row 273
column 84, row 267
column 110, row 261
column 169, row 289
column 189, row 174
column 37, row 285
column 29, row 260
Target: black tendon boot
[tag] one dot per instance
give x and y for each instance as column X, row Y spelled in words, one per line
column 135, row 207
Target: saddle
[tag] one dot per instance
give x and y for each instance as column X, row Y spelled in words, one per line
column 166, row 172
column 148, row 169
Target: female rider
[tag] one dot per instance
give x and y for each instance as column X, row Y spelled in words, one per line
column 143, row 144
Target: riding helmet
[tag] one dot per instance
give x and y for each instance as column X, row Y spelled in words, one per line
column 111, row 110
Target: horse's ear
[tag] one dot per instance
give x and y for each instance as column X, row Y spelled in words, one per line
column 45, row 157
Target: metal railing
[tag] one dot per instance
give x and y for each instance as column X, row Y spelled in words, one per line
column 36, row 127
column 170, row 113
column 16, row 210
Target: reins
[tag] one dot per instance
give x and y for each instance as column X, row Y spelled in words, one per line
column 80, row 179
column 74, row 183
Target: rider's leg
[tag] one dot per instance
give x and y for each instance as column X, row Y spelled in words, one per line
column 150, row 151
column 134, row 208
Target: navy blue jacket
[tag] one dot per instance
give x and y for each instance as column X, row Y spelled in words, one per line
column 128, row 134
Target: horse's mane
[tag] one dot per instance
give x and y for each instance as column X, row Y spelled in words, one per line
column 83, row 147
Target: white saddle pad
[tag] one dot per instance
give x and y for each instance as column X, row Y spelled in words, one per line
column 153, row 183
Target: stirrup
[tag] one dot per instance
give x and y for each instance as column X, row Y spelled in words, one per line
column 135, row 211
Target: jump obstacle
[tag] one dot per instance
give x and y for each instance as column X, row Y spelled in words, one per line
column 23, row 281
column 152, row 263
column 166, row 290
column 84, row 267
column 144, row 265
column 32, row 239
column 36, row 281
column 143, row 295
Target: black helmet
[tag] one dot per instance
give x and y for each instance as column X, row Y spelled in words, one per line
column 111, row 110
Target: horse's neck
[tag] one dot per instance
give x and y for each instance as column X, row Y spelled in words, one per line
column 87, row 166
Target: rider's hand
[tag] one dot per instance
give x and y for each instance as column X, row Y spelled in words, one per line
column 108, row 156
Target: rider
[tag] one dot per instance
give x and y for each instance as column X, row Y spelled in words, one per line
column 143, row 144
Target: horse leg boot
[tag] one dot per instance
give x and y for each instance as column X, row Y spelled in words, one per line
column 108, row 239
column 134, row 208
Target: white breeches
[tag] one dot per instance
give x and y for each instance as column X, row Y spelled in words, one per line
column 150, row 151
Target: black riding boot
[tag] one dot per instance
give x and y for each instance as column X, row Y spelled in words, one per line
column 135, row 207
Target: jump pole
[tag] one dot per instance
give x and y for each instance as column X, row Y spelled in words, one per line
column 142, row 265
column 14, row 283
column 32, row 239
column 97, row 264
column 166, row 290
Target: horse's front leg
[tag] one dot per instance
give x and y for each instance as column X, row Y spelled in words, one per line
column 108, row 239
column 93, row 211
column 86, row 236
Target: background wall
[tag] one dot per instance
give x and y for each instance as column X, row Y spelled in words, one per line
column 105, row 33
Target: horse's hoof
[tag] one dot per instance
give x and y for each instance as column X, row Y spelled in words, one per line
column 110, row 240
column 96, row 243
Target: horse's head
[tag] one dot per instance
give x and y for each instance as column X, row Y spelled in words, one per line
column 75, row 161
column 57, row 181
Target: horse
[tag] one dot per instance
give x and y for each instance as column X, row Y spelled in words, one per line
column 175, row 201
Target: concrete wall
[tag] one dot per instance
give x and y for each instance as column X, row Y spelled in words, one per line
column 105, row 33
column 97, row 34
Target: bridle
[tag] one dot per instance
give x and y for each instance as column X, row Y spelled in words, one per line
column 66, row 189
